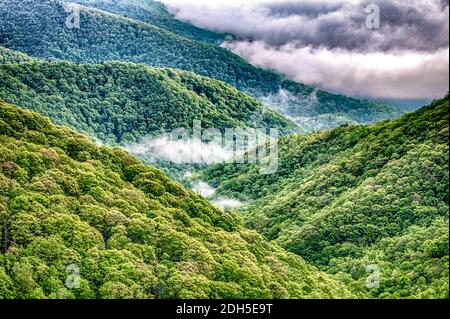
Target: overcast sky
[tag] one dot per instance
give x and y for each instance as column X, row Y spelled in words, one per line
column 327, row 44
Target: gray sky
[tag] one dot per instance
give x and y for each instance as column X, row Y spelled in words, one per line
column 327, row 44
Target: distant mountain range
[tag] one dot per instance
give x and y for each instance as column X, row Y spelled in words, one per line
column 118, row 102
column 105, row 36
column 133, row 105
column 155, row 13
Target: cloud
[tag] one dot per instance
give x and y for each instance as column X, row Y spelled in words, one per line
column 208, row 192
column 227, row 203
column 286, row 35
column 211, row 146
column 204, row 189
column 413, row 24
column 396, row 75
column 179, row 152
column 162, row 148
column 191, row 151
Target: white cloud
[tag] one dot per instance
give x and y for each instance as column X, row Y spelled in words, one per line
column 227, row 203
column 208, row 192
column 326, row 44
column 181, row 151
column 413, row 24
column 204, row 189
column 394, row 75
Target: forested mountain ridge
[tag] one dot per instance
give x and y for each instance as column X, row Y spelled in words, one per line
column 119, row 102
column 154, row 13
column 131, row 231
column 352, row 212
column 359, row 195
column 103, row 36
column 8, row 56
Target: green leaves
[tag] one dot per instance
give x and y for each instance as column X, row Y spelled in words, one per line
column 343, row 196
column 134, row 102
column 130, row 230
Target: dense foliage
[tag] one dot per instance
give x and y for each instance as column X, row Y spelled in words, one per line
column 346, row 199
column 11, row 57
column 120, row 102
column 133, row 232
column 154, row 13
column 359, row 195
column 38, row 28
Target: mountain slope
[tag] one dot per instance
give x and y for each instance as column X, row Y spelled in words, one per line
column 104, row 36
column 359, row 195
column 8, row 56
column 154, row 13
column 66, row 204
column 119, row 102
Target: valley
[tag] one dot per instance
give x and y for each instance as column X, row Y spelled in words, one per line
column 140, row 155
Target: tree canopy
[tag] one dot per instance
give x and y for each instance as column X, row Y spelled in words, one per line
column 358, row 195
column 131, row 231
column 119, row 102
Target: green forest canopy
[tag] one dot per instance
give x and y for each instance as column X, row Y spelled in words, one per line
column 8, row 56
column 154, row 13
column 341, row 200
column 133, row 232
column 118, row 102
column 357, row 195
